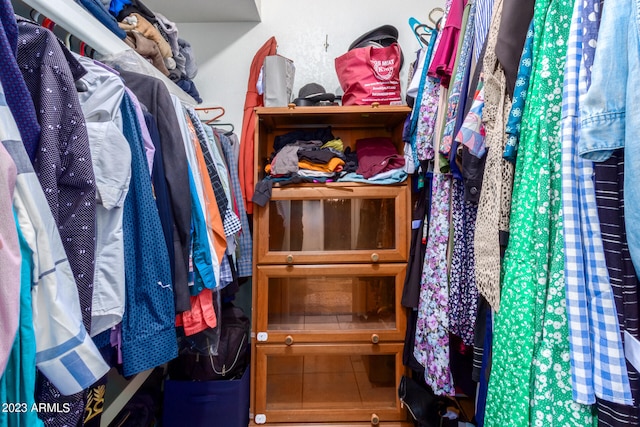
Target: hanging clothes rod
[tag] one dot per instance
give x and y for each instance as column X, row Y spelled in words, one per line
column 80, row 23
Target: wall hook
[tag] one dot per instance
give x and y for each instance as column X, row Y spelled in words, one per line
column 326, row 42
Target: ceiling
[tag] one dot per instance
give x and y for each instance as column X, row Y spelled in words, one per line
column 207, row 11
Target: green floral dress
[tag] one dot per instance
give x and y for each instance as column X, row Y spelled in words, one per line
column 530, row 383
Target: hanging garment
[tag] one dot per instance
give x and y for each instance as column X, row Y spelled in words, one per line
column 598, row 366
column 18, row 96
column 444, row 56
column 201, row 261
column 463, row 292
column 432, row 327
column 530, row 372
column 461, row 70
column 484, row 12
column 111, row 159
column 426, row 125
column 519, row 98
column 591, row 15
column 148, row 333
column 65, row 352
column 609, row 179
column 419, row 226
column 252, row 100
column 154, row 95
column 495, row 197
column 201, row 187
column 10, row 260
column 516, row 15
column 160, row 190
column 230, row 220
column 214, row 216
column 245, row 243
column 63, row 161
column 18, row 382
column 149, row 146
column 411, row 132
column 607, row 111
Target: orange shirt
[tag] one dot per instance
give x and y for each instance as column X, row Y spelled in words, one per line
column 210, row 206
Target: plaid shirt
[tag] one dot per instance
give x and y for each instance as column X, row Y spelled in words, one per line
column 597, row 359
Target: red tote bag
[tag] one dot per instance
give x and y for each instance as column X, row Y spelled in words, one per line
column 370, row 74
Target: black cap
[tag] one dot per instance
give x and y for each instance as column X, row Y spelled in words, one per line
column 381, row 36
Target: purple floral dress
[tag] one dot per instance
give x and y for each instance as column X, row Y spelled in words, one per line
column 431, row 348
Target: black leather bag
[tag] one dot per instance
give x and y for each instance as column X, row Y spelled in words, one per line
column 424, row 406
column 232, row 357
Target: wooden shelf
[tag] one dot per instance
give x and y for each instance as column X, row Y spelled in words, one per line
column 330, row 262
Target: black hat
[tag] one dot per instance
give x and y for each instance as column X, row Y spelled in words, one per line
column 312, row 93
column 381, row 37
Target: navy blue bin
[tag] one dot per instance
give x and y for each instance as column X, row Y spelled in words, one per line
column 223, row 403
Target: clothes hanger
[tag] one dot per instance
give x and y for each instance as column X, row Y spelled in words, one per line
column 420, row 31
column 35, row 15
column 48, row 24
column 436, row 22
column 229, row 132
column 206, row 110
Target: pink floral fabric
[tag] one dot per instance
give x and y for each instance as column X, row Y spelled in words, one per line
column 431, row 348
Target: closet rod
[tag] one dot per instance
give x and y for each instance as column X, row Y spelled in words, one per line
column 77, row 21
column 84, row 26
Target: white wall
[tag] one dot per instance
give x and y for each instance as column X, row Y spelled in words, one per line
column 224, row 50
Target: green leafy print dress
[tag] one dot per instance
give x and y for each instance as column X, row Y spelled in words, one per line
column 530, row 382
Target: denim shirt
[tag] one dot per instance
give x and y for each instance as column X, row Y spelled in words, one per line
column 605, row 126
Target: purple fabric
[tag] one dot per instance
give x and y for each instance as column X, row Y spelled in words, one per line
column 18, row 97
column 63, row 160
column 149, row 148
column 431, row 348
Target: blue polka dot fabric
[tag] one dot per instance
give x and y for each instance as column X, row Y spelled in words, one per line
column 148, row 332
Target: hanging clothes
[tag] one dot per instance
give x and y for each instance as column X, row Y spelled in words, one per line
column 18, row 97
column 111, row 160
column 154, row 95
column 245, row 243
column 609, row 188
column 10, row 260
column 598, row 366
column 516, row 15
column 519, row 97
column 149, row 316
column 57, row 317
column 495, row 198
column 461, row 70
column 444, row 56
column 605, row 129
column 529, row 381
column 18, row 382
column 432, row 327
column 63, row 161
